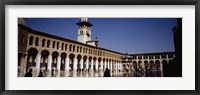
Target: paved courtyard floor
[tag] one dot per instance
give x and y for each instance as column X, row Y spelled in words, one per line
column 101, row 74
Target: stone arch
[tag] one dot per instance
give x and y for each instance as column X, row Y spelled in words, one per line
column 165, row 65
column 71, row 60
column 152, row 66
column 84, row 61
column 63, row 61
column 44, row 59
column 32, row 53
column 79, row 57
column 157, row 65
column 55, row 55
column 94, row 64
column 146, row 65
column 135, row 65
column 90, row 61
column 139, row 64
column 99, row 62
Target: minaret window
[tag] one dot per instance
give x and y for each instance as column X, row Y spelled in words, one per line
column 81, row 32
column 88, row 34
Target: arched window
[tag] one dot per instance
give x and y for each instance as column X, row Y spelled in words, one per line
column 62, row 46
column 57, row 45
column 81, row 32
column 83, row 50
column 65, row 47
column 31, row 40
column 73, row 48
column 80, row 49
column 36, row 41
column 54, row 44
column 70, row 47
column 77, row 49
column 43, row 42
column 48, row 43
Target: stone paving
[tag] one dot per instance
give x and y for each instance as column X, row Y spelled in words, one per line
column 101, row 73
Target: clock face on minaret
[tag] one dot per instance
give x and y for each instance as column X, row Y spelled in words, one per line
column 84, row 30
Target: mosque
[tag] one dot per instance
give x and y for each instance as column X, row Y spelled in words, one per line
column 62, row 57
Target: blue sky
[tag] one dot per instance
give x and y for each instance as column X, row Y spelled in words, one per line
column 132, row 35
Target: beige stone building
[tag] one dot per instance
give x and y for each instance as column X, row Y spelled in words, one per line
column 42, row 51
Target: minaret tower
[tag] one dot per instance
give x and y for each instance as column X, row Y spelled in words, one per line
column 84, row 30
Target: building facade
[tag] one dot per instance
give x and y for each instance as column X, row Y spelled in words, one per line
column 41, row 51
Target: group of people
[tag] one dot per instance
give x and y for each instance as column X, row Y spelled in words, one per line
column 29, row 73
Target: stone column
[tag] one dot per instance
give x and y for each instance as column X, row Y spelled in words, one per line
column 104, row 65
column 38, row 57
column 49, row 65
column 67, row 63
column 96, row 65
column 75, row 64
column 101, row 65
column 87, row 64
column 108, row 65
column 115, row 66
column 161, row 69
column 111, row 66
column 92, row 65
column 22, row 69
column 58, row 66
column 81, row 64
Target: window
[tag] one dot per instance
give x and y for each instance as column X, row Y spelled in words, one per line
column 73, row 48
column 81, row 32
column 77, row 49
column 65, row 47
column 170, row 55
column 57, row 45
column 163, row 56
column 157, row 56
column 54, row 44
column 31, row 40
column 70, row 47
column 83, row 50
column 43, row 42
column 139, row 57
column 36, row 41
column 80, row 49
column 62, row 46
column 48, row 43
